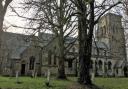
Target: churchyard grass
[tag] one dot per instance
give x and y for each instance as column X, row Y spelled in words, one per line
column 39, row 83
column 32, row 83
column 112, row 83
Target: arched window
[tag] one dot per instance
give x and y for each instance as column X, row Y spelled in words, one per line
column 100, row 64
column 91, row 64
column 49, row 57
column 54, row 59
column 96, row 64
column 70, row 64
column 31, row 62
column 102, row 31
column 73, row 49
column 96, row 67
column 109, row 65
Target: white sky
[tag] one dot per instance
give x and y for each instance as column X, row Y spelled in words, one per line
column 11, row 19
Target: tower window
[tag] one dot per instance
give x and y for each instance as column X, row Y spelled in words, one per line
column 109, row 65
column 102, row 32
column 54, row 59
column 100, row 65
column 70, row 64
column 105, row 30
column 73, row 49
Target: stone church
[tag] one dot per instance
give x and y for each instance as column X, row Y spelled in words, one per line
column 33, row 55
column 112, row 58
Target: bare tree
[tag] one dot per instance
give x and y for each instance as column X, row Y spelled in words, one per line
column 3, row 8
column 48, row 15
column 125, row 6
column 55, row 17
column 89, row 13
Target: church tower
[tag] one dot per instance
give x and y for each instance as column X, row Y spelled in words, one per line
column 111, row 32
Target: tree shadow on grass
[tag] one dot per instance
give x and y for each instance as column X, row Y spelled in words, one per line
column 79, row 86
column 19, row 82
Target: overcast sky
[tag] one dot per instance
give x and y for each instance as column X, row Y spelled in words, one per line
column 11, row 19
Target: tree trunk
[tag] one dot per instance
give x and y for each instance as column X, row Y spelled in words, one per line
column 3, row 9
column 85, row 42
column 61, row 69
column 1, row 17
column 84, row 64
column 61, row 66
column 1, row 29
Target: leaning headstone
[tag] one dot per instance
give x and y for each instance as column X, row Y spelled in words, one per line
column 48, row 78
column 17, row 76
column 17, row 67
column 92, row 76
column 32, row 73
column 35, row 75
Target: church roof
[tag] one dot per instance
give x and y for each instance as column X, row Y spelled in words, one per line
column 119, row 64
column 17, row 43
column 49, row 37
column 14, row 43
column 99, row 44
column 46, row 36
column 69, row 40
column 16, row 54
column 111, row 14
column 12, row 40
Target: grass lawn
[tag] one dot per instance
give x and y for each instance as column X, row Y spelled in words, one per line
column 39, row 83
column 32, row 83
column 112, row 83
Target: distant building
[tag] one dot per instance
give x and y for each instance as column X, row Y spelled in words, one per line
column 34, row 55
column 111, row 33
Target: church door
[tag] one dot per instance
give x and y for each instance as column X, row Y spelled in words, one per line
column 22, row 69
